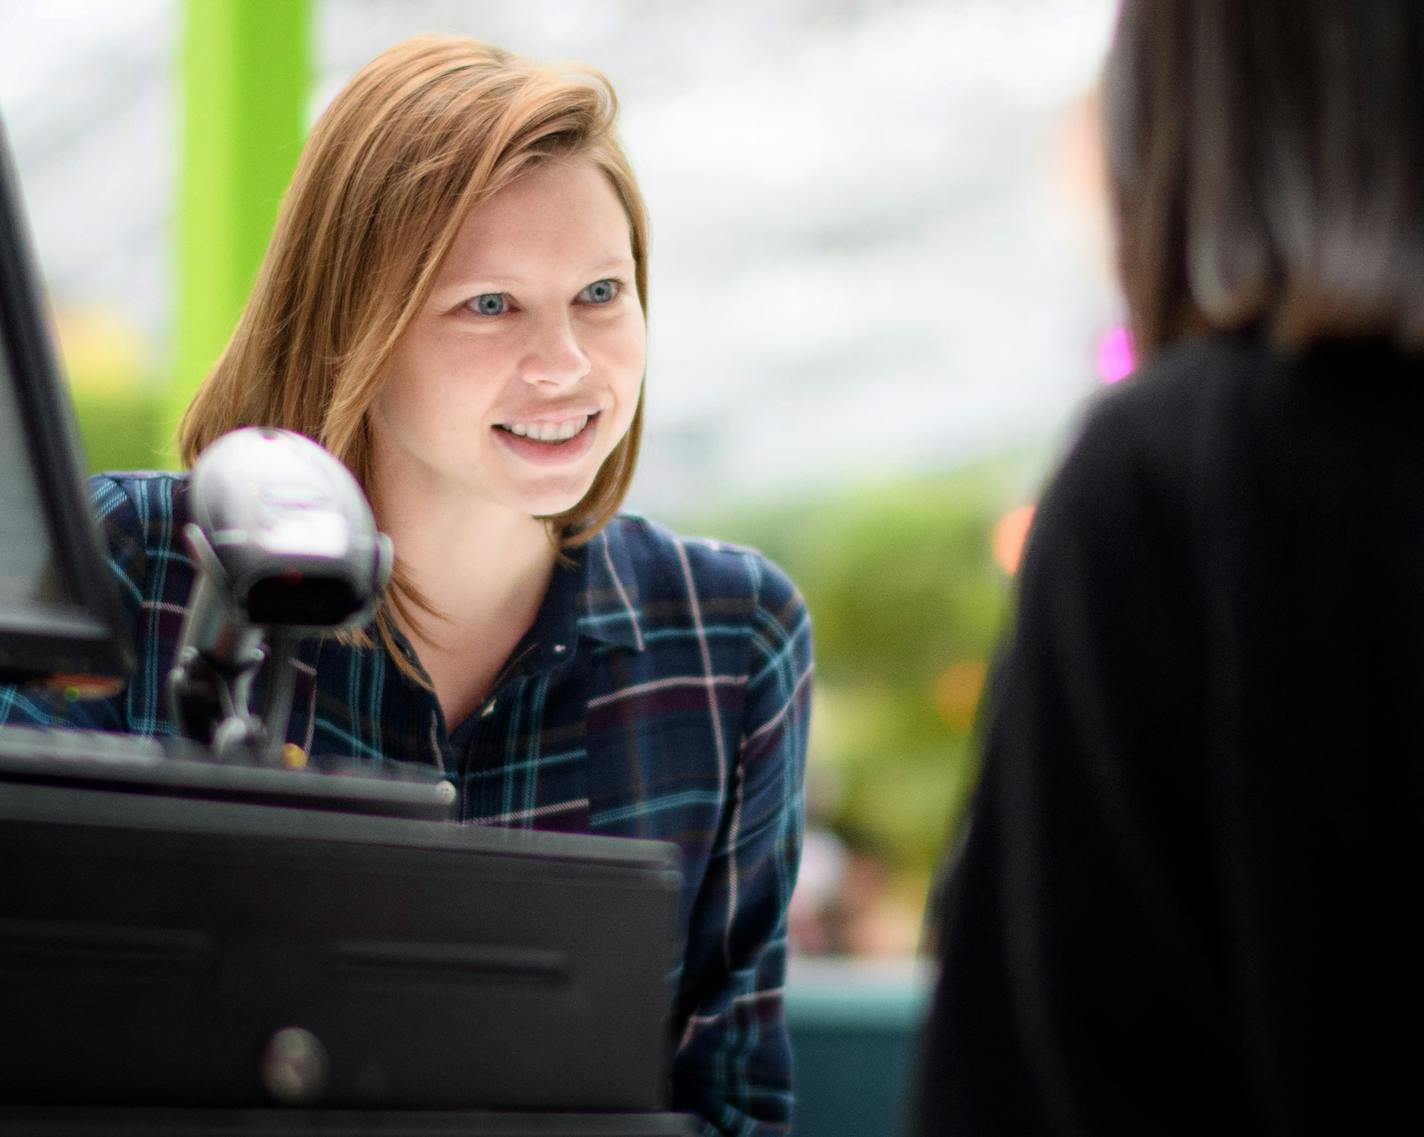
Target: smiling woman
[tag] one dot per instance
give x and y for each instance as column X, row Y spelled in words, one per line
column 518, row 378
column 511, row 388
column 454, row 304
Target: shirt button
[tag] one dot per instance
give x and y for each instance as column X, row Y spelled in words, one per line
column 559, row 649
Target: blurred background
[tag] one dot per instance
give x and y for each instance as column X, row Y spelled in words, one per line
column 880, row 290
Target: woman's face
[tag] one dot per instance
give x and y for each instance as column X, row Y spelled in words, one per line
column 522, row 372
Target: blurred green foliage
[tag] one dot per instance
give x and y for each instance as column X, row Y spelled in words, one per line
column 907, row 604
column 122, row 429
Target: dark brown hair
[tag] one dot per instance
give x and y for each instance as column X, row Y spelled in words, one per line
column 1266, row 164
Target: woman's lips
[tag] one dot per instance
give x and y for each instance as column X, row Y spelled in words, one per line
column 522, row 439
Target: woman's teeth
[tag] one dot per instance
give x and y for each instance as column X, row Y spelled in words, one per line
column 547, row 431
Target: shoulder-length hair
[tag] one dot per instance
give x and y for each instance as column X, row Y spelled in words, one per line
column 1266, row 165
column 422, row 134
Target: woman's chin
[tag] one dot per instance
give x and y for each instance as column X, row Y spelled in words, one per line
column 551, row 503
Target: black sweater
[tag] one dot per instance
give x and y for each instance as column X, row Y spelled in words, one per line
column 1188, row 901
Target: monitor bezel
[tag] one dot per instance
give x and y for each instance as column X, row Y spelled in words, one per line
column 88, row 638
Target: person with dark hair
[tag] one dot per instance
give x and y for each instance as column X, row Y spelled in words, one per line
column 1187, row 901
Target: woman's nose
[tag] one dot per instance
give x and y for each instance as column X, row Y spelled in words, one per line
column 554, row 357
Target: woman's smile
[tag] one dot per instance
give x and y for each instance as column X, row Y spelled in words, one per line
column 549, row 442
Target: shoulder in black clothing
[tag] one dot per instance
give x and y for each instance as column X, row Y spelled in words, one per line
column 1180, row 905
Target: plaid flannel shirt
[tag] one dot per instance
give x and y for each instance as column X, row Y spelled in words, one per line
column 663, row 692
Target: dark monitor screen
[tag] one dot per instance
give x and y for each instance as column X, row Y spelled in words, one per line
column 163, row 952
column 59, row 612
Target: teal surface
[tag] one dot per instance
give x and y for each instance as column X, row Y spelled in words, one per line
column 854, row 1032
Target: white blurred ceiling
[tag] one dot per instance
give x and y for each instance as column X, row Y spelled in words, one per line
column 873, row 251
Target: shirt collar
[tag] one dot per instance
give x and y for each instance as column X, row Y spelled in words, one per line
column 607, row 594
column 593, row 593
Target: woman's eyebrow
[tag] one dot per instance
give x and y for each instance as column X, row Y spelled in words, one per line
column 496, row 281
column 621, row 260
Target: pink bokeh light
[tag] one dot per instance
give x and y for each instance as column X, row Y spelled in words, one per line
column 1115, row 360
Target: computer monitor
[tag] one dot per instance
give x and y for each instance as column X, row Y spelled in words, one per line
column 60, row 619
column 168, row 952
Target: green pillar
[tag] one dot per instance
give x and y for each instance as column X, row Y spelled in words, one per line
column 246, row 68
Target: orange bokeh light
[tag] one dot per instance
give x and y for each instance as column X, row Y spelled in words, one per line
column 1010, row 533
column 957, row 693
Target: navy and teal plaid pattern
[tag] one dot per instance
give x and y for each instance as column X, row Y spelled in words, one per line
column 663, row 692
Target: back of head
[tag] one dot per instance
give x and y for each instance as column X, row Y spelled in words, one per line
column 423, row 133
column 1266, row 161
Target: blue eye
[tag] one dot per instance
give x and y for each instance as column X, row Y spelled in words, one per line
column 600, row 292
column 488, row 304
